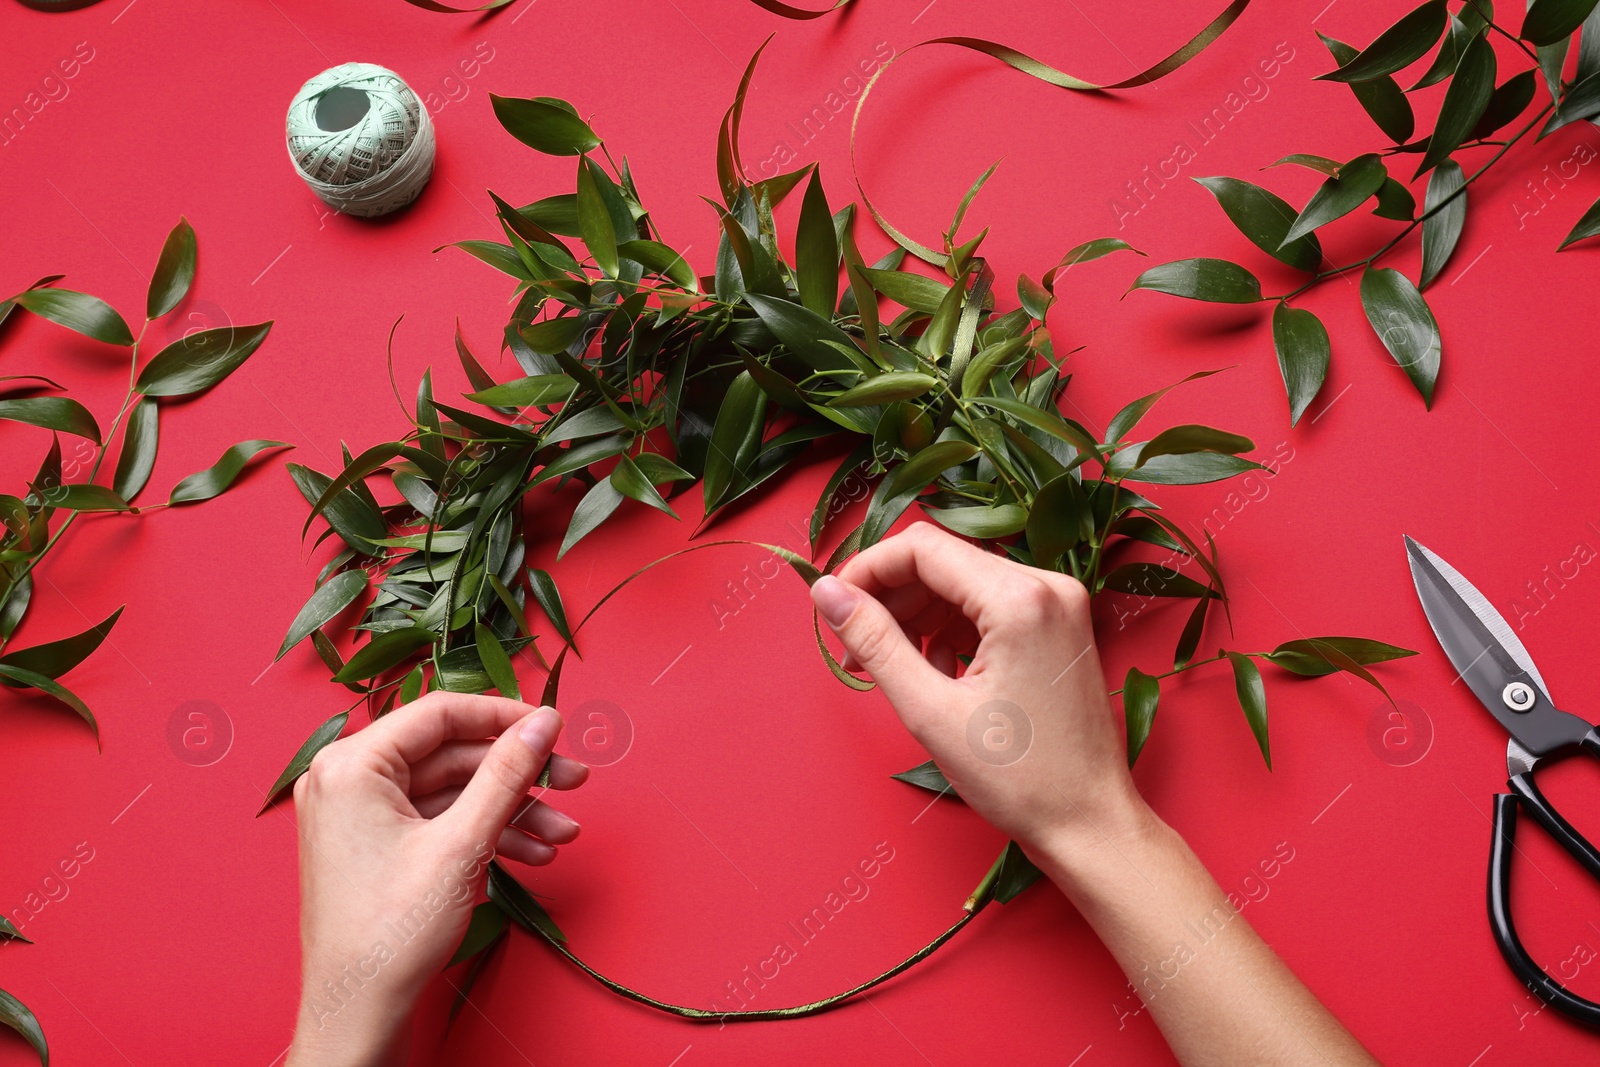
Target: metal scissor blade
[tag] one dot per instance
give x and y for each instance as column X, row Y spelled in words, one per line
column 1478, row 605
column 1486, row 654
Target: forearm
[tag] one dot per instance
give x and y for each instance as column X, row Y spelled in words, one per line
column 330, row 1033
column 1218, row 993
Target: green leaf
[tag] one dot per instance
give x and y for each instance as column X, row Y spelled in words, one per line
column 735, row 439
column 915, row 291
column 1335, row 198
column 16, row 1015
column 511, row 897
column 1582, row 101
column 816, row 251
column 502, row 258
column 558, row 214
column 595, row 507
column 884, row 389
column 487, row 925
column 752, row 267
column 925, row 776
column 1467, row 23
column 632, row 483
column 1189, row 639
column 1216, row 280
column 1400, row 45
column 660, row 469
column 332, row 597
column 52, row 413
column 211, row 482
column 550, row 336
column 320, row 738
column 1303, row 350
column 1017, row 872
column 174, row 271
column 1588, row 47
column 594, row 218
column 548, row 597
column 1441, row 229
column 1401, row 319
column 34, row 680
column 1320, row 164
column 1587, row 226
column 1464, row 102
column 1002, row 520
column 10, row 931
column 1140, row 695
column 1089, row 250
column 58, row 657
column 1395, row 202
column 357, row 522
column 1049, row 421
column 807, row 334
column 1060, row 519
column 1035, row 299
column 662, row 259
column 1132, row 412
column 1195, row 469
column 534, row 391
column 1187, row 439
column 906, row 482
column 544, row 125
column 1252, row 700
column 496, row 663
column 1264, row 218
column 15, row 605
column 1548, row 21
column 411, row 687
column 1507, row 102
column 988, row 361
column 80, row 312
column 78, row 496
column 1380, row 97
column 1317, row 656
column 384, row 651
column 1148, row 579
column 197, row 361
column 139, row 443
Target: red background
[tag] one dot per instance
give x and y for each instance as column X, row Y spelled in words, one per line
column 755, row 782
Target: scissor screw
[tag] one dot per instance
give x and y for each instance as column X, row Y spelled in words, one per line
column 1518, row 696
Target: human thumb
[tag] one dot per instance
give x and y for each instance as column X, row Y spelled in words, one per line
column 871, row 635
column 499, row 788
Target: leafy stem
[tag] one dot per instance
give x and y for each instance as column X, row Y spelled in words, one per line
column 1505, row 146
column 1496, row 27
column 1191, row 665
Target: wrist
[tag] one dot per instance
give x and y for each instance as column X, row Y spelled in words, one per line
column 331, row 1032
column 1090, row 849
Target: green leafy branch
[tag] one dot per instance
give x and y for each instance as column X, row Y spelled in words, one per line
column 35, row 521
column 1473, row 111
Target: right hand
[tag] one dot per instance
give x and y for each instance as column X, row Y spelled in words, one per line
column 1035, row 671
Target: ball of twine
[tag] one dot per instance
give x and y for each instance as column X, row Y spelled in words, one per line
column 361, row 139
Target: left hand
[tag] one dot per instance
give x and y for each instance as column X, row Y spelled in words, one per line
column 398, row 824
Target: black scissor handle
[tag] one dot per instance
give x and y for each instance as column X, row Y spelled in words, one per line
column 1555, row 824
column 1501, row 848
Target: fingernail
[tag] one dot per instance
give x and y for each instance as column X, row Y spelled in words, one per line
column 835, row 600
column 539, row 729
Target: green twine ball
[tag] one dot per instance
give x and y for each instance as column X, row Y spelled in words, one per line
column 361, row 139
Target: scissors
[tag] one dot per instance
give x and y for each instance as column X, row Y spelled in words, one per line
column 1496, row 667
